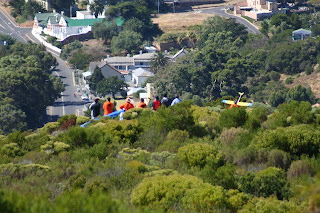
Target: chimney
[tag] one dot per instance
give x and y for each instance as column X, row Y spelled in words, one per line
column 62, row 13
column 140, row 52
column 128, row 55
column 166, row 52
column 54, row 11
column 108, row 56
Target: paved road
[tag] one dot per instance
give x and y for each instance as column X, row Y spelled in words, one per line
column 222, row 12
column 67, row 104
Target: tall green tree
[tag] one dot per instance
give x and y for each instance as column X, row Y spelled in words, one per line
column 111, row 86
column 127, row 41
column 159, row 61
column 97, row 8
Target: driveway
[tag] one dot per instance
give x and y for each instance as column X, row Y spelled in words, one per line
column 222, row 12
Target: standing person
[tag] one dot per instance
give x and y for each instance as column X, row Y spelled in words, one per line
column 95, row 108
column 176, row 100
column 165, row 100
column 108, row 107
column 142, row 104
column 156, row 103
column 128, row 105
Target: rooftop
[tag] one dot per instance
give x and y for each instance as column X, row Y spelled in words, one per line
column 119, row 60
column 140, row 72
column 301, row 30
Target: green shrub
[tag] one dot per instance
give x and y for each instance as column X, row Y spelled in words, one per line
column 126, row 131
column 160, row 158
column 224, row 176
column 256, row 118
column 135, row 154
column 21, row 171
column 174, row 140
column 234, row 117
column 300, row 168
column 289, row 80
column 81, row 119
column 270, row 181
column 133, row 113
column 280, row 159
column 199, row 155
column 80, row 202
column 54, row 147
column 11, row 150
column 296, row 140
column 67, row 121
column 51, row 39
column 270, row 205
column 228, row 136
column 50, row 127
column 191, row 193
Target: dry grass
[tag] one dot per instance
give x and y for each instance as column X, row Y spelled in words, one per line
column 179, row 22
column 7, row 10
column 311, row 81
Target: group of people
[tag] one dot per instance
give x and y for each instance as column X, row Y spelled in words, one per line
column 108, row 105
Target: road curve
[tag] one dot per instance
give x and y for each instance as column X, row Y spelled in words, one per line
column 222, row 12
column 68, row 103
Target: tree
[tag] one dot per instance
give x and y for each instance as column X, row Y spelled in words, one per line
column 111, row 85
column 158, row 61
column 126, row 41
column 11, row 119
column 104, row 31
column 80, row 60
column 62, row 5
column 97, row 8
column 95, row 78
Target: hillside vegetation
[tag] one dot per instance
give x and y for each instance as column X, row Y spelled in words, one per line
column 183, row 158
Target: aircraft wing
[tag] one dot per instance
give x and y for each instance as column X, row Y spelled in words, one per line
column 227, row 102
column 244, row 104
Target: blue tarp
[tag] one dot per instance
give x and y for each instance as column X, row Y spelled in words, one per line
column 111, row 115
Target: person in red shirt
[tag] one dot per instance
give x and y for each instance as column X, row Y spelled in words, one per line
column 128, row 105
column 156, row 103
column 142, row 104
column 108, row 107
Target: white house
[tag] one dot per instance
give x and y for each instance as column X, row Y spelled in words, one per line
column 301, row 34
column 123, row 63
column 140, row 75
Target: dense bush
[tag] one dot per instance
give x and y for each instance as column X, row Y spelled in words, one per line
column 199, row 155
column 300, row 168
column 271, row 181
column 189, row 192
column 296, row 140
column 235, row 117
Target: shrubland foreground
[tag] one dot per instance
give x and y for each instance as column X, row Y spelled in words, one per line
column 183, row 158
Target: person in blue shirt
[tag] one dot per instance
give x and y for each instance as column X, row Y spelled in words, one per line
column 176, row 100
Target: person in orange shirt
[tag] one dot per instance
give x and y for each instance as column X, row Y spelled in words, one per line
column 156, row 103
column 108, row 107
column 128, row 105
column 142, row 104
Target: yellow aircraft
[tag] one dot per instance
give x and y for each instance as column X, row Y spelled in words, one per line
column 237, row 103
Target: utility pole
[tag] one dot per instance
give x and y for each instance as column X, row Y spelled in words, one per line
column 174, row 11
column 70, row 11
column 158, row 6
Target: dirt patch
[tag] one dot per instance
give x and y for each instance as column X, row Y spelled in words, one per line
column 179, row 22
column 311, row 81
column 7, row 10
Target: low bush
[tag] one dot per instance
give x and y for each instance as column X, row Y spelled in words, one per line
column 235, row 117
column 280, row 159
column 270, row 181
column 296, row 140
column 299, row 169
column 199, row 155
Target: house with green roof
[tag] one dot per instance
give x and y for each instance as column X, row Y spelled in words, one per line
column 61, row 27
